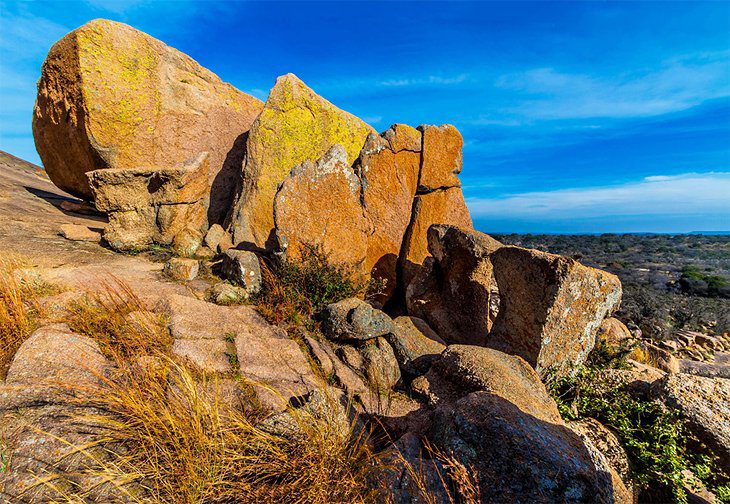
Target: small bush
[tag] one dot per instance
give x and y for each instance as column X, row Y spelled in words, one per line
column 120, row 322
column 293, row 290
column 654, row 438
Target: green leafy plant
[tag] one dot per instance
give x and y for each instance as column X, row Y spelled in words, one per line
column 293, row 290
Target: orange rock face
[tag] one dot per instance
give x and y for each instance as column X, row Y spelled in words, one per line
column 550, row 307
column 110, row 96
column 441, row 157
column 388, row 166
column 319, row 205
column 444, row 206
column 296, row 125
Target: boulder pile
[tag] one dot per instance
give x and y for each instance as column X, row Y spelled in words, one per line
column 462, row 334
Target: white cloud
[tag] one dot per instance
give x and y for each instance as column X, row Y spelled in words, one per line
column 431, row 80
column 686, row 194
column 680, row 83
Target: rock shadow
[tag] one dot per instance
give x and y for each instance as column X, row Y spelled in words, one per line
column 228, row 181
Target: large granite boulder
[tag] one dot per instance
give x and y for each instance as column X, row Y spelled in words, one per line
column 704, row 403
column 494, row 414
column 551, row 307
column 388, row 167
column 110, row 96
column 318, row 205
column 166, row 206
column 452, row 292
column 295, row 125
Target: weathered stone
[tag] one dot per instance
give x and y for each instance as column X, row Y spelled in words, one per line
column 57, row 357
column 209, row 355
column 354, row 319
column 243, row 268
column 519, row 457
column 592, row 431
column 75, row 232
column 161, row 205
column 333, row 367
column 613, row 332
column 706, row 369
column 443, row 206
column 318, row 206
column 268, row 360
column 415, row 344
column 110, row 96
column 704, row 403
column 379, row 364
column 471, row 368
column 224, row 293
column 551, row 307
column 441, row 157
column 452, row 292
column 388, row 166
column 214, row 236
column 181, row 269
column 660, row 359
column 295, row 125
column 276, row 368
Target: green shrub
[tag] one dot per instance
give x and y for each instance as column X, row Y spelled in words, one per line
column 293, row 290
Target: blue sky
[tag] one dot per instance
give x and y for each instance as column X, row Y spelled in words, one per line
column 577, row 117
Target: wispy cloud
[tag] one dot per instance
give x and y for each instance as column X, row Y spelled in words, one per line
column 431, row 80
column 680, row 83
column 687, row 194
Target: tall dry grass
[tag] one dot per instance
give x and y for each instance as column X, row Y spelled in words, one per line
column 19, row 309
column 119, row 321
column 169, row 440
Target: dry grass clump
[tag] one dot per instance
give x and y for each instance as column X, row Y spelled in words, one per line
column 643, row 356
column 19, row 309
column 120, row 322
column 177, row 443
column 293, row 290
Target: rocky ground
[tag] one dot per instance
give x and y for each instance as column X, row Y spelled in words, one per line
column 271, row 302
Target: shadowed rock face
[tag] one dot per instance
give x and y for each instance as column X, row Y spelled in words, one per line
column 295, row 125
column 551, row 307
column 452, row 291
column 110, row 96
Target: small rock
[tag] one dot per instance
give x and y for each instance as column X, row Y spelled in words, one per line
column 354, row 319
column 613, row 331
column 75, row 232
column 379, row 364
column 224, row 293
column 708, row 341
column 213, row 236
column 670, row 345
column 415, row 344
column 661, row 359
column 242, row 267
column 79, row 207
column 183, row 270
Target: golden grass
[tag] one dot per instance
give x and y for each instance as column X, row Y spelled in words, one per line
column 120, row 322
column 177, row 443
column 643, row 356
column 19, row 310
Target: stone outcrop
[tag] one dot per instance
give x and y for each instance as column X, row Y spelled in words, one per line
column 452, row 292
column 389, row 167
column 208, row 335
column 441, row 157
column 551, row 307
column 110, row 96
column 705, row 405
column 166, row 206
column 318, row 205
column 295, row 125
column 442, row 206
